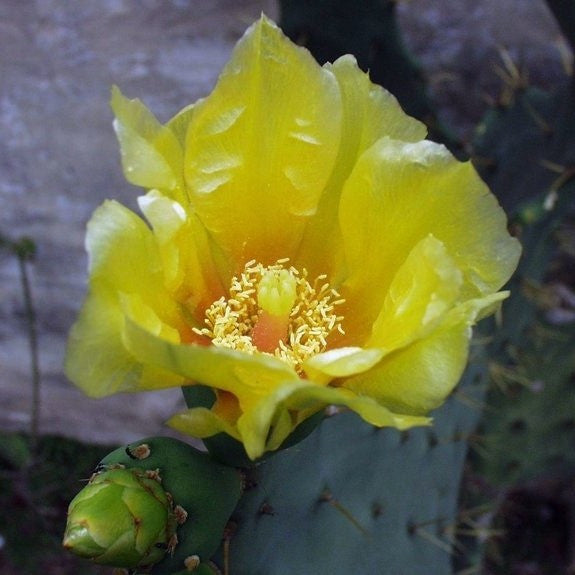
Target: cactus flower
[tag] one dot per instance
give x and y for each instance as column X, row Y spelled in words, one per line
column 302, row 245
column 122, row 518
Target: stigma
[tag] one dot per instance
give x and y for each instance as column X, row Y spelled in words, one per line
column 275, row 310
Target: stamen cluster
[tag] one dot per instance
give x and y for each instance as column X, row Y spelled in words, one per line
column 313, row 317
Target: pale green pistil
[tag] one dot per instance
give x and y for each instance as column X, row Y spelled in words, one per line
column 275, row 310
column 277, row 292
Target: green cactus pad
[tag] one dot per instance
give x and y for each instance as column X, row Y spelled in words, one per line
column 207, row 490
column 525, row 151
column 351, row 498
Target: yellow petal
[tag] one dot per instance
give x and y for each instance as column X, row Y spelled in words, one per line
column 124, row 255
column 262, row 146
column 248, row 377
column 186, row 252
column 151, row 153
column 398, row 194
column 423, row 291
column 122, row 252
column 297, row 396
column 369, row 113
column 121, row 248
column 341, row 362
column 266, row 422
column 126, row 280
column 419, row 377
column 97, row 360
column 202, row 422
column 137, row 310
column 369, row 409
column 167, row 218
column 266, row 425
column 261, row 429
column 282, row 426
column 178, row 125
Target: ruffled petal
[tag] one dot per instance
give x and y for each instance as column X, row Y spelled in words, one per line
column 425, row 288
column 370, row 410
column 268, row 424
column 124, row 256
column 179, row 124
column 202, row 422
column 248, row 376
column 186, row 252
column 305, row 397
column 152, row 155
column 121, row 248
column 398, row 194
column 369, row 113
column 341, row 362
column 263, row 428
column 419, row 377
column 126, row 281
column 269, row 418
column 167, row 218
column 97, row 360
column 262, row 146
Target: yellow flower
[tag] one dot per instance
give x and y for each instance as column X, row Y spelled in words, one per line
column 304, row 246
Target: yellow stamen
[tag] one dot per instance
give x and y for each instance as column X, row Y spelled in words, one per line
column 275, row 310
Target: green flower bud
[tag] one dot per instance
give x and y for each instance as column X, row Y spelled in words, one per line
column 123, row 517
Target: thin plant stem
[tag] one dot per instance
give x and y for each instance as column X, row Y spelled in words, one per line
column 24, row 252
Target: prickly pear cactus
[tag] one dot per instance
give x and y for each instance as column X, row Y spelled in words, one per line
column 530, row 431
column 178, row 501
column 529, row 145
column 525, row 150
column 355, row 499
column 351, row 498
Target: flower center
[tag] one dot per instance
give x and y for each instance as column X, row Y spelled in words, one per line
column 275, row 310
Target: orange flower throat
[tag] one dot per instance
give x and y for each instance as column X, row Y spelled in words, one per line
column 275, row 310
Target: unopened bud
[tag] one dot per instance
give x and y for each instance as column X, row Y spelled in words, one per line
column 123, row 517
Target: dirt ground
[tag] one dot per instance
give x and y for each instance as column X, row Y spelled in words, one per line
column 59, row 159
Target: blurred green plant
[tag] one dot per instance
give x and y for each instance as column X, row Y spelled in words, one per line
column 525, row 150
column 35, row 489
